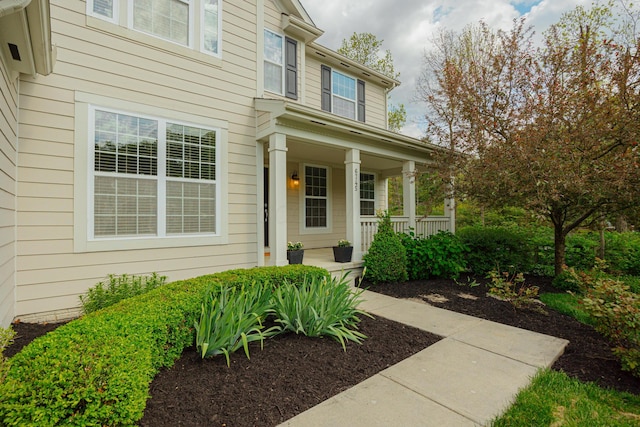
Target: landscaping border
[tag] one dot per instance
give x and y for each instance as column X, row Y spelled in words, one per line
column 96, row 370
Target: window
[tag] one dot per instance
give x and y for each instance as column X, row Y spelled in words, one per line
column 171, row 20
column 151, row 177
column 211, row 23
column 315, row 196
column 104, row 9
column 280, row 65
column 367, row 194
column 343, row 95
column 168, row 19
column 273, row 61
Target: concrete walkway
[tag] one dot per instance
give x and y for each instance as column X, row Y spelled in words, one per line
column 466, row 379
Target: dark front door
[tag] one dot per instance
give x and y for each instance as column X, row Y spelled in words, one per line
column 266, row 206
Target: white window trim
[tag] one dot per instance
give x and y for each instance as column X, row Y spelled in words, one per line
column 375, row 183
column 303, row 223
column 83, row 164
column 355, row 101
column 281, row 65
column 123, row 20
column 217, row 54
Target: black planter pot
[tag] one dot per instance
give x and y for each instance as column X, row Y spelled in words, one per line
column 295, row 257
column 342, row 253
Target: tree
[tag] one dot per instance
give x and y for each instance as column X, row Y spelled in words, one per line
column 552, row 129
column 365, row 49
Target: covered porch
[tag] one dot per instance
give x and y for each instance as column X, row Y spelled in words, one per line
column 324, row 177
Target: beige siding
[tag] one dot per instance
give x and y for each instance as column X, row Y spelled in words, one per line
column 295, row 204
column 8, row 172
column 106, row 60
column 374, row 94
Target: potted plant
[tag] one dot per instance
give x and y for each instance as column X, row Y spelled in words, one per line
column 295, row 253
column 343, row 252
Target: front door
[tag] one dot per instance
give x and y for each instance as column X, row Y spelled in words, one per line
column 266, row 206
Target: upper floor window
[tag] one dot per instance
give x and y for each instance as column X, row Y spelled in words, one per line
column 151, row 177
column 280, row 65
column 367, row 194
column 172, row 20
column 342, row 94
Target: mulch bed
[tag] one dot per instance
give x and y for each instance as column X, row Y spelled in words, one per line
column 293, row 373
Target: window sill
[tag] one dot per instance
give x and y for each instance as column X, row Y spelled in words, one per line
column 153, row 42
column 133, row 243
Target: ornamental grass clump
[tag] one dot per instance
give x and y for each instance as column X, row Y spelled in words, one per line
column 319, row 307
column 232, row 318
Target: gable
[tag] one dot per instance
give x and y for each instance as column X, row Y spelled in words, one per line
column 294, row 8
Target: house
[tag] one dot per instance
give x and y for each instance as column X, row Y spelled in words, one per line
column 183, row 137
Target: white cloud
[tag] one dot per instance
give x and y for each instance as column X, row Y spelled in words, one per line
column 407, row 28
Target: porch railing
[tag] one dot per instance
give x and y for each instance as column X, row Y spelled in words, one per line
column 423, row 227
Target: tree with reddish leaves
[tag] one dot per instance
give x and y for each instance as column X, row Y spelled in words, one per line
column 553, row 129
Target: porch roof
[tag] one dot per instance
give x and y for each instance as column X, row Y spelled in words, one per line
column 310, row 124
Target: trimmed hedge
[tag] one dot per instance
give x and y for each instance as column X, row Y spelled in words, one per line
column 96, row 370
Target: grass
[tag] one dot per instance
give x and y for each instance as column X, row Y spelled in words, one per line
column 568, row 304
column 554, row 399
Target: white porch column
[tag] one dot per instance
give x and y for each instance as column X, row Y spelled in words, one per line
column 278, row 199
column 352, row 178
column 409, row 191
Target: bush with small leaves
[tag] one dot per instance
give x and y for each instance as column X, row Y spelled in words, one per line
column 386, row 260
column 6, row 338
column 117, row 288
column 615, row 310
column 510, row 287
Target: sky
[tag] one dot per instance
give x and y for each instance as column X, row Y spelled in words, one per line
column 408, row 26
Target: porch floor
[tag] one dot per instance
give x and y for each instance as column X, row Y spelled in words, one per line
column 323, row 257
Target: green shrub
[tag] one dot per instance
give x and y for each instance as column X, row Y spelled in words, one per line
column 440, row 255
column 117, row 288
column 622, row 252
column 232, row 318
column 568, row 280
column 386, row 260
column 6, row 338
column 581, row 250
column 616, row 314
column 510, row 287
column 319, row 307
column 96, row 370
column 493, row 248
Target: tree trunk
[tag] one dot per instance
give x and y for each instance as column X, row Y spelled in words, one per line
column 560, row 246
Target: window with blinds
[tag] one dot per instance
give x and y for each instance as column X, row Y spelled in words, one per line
column 152, row 177
column 172, row 20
